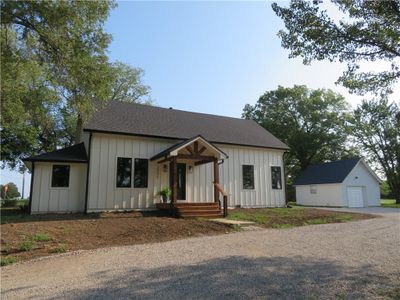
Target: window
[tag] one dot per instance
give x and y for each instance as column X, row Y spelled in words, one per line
column 276, row 178
column 60, row 176
column 141, row 172
column 248, row 177
column 313, row 189
column 124, row 172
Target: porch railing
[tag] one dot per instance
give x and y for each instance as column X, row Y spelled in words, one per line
column 224, row 196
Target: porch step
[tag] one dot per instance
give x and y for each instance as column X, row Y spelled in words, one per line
column 195, row 210
column 208, row 204
column 200, row 214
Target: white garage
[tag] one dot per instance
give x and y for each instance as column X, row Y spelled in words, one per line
column 344, row 183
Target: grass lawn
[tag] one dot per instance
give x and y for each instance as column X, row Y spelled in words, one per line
column 389, row 203
column 24, row 237
column 296, row 216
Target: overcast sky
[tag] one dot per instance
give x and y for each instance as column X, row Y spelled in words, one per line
column 211, row 57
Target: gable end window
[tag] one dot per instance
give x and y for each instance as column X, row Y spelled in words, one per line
column 124, row 172
column 276, row 177
column 141, row 173
column 60, row 176
column 248, row 177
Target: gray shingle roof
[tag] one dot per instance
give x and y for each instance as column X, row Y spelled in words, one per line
column 333, row 172
column 76, row 153
column 145, row 120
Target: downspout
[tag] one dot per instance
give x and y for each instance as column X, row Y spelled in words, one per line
column 87, row 173
column 31, row 189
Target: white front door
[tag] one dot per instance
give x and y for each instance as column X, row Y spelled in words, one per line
column 355, row 196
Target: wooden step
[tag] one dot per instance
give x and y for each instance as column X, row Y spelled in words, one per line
column 200, row 214
column 197, row 208
column 197, row 211
column 196, row 204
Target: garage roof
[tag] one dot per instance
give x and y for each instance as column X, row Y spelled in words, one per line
column 332, row 172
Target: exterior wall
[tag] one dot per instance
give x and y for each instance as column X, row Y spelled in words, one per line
column 360, row 176
column 326, row 195
column 46, row 199
column 104, row 195
column 231, row 176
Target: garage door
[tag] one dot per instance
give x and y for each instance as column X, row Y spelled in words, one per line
column 355, row 197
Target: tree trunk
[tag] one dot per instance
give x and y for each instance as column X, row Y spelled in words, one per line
column 79, row 128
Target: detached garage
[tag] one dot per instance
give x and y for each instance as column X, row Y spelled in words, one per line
column 344, row 183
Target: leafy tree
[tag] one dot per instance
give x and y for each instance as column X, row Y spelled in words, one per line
column 54, row 68
column 311, row 122
column 375, row 126
column 12, row 191
column 386, row 192
column 128, row 85
column 369, row 31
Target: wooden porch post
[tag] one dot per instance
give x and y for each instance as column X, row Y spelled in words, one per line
column 174, row 166
column 216, row 179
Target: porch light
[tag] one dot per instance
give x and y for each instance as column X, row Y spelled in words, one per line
column 190, row 169
column 165, row 168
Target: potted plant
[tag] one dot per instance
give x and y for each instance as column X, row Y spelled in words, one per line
column 165, row 194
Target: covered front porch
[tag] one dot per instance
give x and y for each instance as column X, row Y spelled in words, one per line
column 183, row 157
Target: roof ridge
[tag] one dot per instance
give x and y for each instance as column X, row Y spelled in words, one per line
column 179, row 110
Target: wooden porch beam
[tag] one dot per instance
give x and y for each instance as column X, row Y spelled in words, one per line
column 202, row 162
column 189, row 149
column 196, row 147
column 194, row 156
column 202, row 150
column 174, row 168
column 216, row 180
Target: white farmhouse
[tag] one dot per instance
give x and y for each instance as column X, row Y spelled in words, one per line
column 344, row 183
column 129, row 152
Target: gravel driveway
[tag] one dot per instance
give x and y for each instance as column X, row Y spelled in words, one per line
column 349, row 260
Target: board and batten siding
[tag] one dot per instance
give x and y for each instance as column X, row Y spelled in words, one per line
column 104, row 195
column 48, row 199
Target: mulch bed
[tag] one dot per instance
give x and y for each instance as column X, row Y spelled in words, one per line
column 78, row 231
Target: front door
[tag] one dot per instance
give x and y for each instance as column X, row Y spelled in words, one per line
column 181, row 193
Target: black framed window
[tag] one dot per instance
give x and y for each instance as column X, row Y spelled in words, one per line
column 141, row 173
column 60, row 176
column 276, row 177
column 248, row 177
column 124, row 172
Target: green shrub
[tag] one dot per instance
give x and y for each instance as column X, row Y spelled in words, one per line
column 40, row 237
column 26, row 245
column 59, row 249
column 8, row 260
column 9, row 203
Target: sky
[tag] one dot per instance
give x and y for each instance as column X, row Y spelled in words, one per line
column 209, row 57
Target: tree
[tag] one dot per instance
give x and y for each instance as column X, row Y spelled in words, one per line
column 369, row 31
column 375, row 125
column 128, row 86
column 311, row 122
column 54, row 68
column 12, row 191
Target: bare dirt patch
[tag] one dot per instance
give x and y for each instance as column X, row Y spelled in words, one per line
column 296, row 216
column 47, row 234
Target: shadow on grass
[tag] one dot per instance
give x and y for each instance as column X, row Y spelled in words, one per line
column 238, row 277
